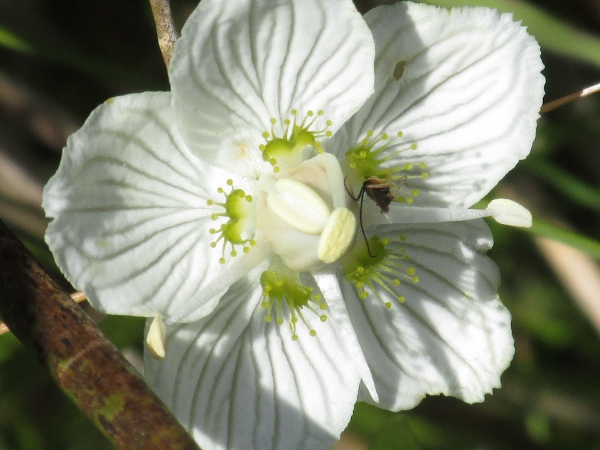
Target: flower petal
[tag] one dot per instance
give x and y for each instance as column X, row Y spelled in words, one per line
column 240, row 63
column 464, row 85
column 131, row 220
column 450, row 334
column 236, row 381
column 329, row 285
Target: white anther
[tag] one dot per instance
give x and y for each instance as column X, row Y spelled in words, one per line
column 337, row 235
column 507, row 212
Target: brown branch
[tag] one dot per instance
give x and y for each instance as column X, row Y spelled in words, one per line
column 165, row 28
column 87, row 367
column 77, row 297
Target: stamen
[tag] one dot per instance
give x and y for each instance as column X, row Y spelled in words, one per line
column 337, row 235
column 503, row 211
column 508, row 212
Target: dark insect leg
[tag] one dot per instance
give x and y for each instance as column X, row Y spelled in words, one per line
column 352, row 196
column 361, row 197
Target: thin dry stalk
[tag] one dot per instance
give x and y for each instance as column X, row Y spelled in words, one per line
column 570, row 98
column 165, row 28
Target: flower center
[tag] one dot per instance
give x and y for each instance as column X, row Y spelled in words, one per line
column 289, row 148
column 302, row 213
column 238, row 230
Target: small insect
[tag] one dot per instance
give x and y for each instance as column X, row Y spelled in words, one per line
column 378, row 190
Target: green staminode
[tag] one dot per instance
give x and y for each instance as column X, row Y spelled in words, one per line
column 288, row 149
column 367, row 159
column 359, row 267
column 382, row 270
column 282, row 287
column 240, row 221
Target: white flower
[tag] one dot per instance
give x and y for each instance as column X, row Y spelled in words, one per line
column 243, row 212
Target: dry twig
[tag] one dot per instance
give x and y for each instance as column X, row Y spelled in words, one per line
column 570, row 98
column 165, row 28
column 86, row 366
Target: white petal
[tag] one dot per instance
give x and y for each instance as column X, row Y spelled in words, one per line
column 468, row 95
column 330, row 287
column 451, row 335
column 131, row 220
column 240, row 63
column 230, row 274
column 237, row 382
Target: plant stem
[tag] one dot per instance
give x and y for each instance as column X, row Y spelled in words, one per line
column 165, row 28
column 86, row 366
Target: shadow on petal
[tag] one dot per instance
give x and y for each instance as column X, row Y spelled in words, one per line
column 236, row 381
column 449, row 334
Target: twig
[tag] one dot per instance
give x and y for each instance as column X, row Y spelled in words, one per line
column 165, row 28
column 570, row 98
column 77, row 297
column 86, row 366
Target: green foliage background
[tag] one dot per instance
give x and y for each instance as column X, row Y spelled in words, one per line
column 59, row 59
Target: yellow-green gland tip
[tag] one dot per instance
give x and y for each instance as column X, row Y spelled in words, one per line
column 287, row 297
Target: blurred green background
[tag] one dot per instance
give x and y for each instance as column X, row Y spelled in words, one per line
column 59, row 59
